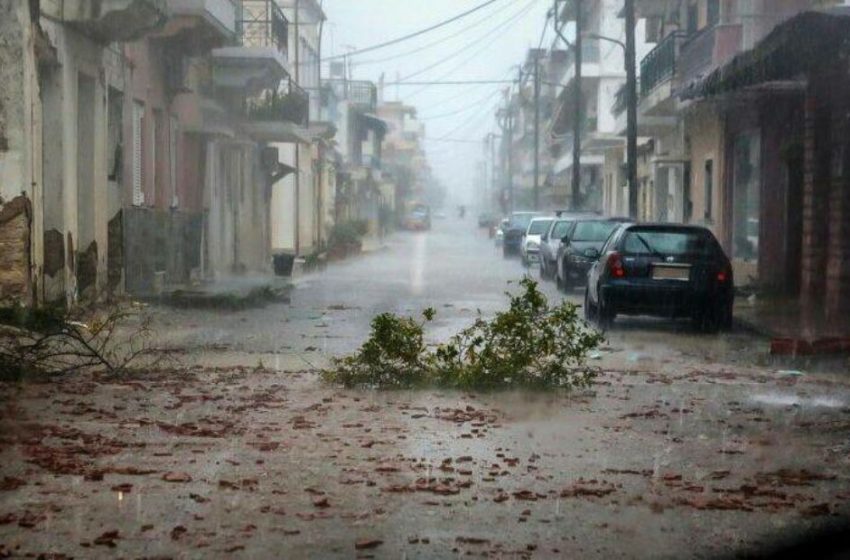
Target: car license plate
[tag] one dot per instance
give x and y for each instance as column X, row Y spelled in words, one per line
column 666, row 272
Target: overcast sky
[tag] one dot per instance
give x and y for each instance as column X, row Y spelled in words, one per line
column 486, row 45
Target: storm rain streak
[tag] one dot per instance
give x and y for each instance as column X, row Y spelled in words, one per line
column 375, row 279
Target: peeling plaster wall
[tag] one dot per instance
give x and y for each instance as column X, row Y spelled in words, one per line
column 20, row 157
column 77, row 189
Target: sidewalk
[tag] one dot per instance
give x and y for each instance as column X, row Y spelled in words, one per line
column 792, row 328
column 231, row 293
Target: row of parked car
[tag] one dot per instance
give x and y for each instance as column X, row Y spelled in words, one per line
column 626, row 268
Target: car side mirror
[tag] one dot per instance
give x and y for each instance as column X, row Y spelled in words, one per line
column 565, row 240
column 592, row 253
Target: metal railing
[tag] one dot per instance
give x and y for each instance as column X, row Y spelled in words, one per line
column 290, row 103
column 660, row 63
column 263, row 24
column 707, row 49
column 358, row 92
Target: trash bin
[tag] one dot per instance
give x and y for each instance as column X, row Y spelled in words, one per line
column 283, row 265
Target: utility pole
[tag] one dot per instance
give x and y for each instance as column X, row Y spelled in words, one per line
column 631, row 115
column 297, row 148
column 577, row 109
column 537, row 130
column 492, row 169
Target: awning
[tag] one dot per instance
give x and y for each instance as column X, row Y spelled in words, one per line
column 375, row 123
column 809, row 41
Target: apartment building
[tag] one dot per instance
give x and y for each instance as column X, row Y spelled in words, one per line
column 143, row 142
column 603, row 77
column 744, row 101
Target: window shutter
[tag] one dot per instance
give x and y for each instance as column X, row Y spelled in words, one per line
column 174, row 138
column 138, row 114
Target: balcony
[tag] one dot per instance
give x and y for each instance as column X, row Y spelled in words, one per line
column 281, row 115
column 260, row 61
column 590, row 61
column 707, row 50
column 660, row 64
column 107, row 21
column 220, row 17
column 657, row 73
column 291, row 104
column 360, row 93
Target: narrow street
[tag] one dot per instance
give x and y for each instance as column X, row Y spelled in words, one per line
column 688, row 445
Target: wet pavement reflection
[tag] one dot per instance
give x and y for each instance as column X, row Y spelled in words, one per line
column 688, row 444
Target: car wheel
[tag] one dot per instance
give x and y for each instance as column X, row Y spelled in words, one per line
column 706, row 318
column 726, row 319
column 566, row 282
column 590, row 311
column 606, row 313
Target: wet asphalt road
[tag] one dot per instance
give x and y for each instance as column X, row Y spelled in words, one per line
column 688, row 446
column 456, row 269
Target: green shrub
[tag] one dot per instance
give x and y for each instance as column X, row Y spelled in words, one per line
column 529, row 345
column 348, row 233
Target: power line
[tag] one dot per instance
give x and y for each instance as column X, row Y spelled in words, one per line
column 450, row 83
column 466, row 60
column 437, row 42
column 522, row 11
column 467, row 122
column 473, row 105
column 454, row 140
column 414, row 34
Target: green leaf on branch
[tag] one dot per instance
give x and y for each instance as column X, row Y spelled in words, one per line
column 531, row 344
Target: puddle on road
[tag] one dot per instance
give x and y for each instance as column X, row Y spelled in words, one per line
column 787, row 399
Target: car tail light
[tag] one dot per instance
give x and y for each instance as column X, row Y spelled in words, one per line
column 615, row 265
column 723, row 276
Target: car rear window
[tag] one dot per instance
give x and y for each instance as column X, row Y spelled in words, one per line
column 521, row 220
column 669, row 242
column 593, row 231
column 538, row 227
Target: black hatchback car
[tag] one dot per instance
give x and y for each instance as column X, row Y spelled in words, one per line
column 666, row 270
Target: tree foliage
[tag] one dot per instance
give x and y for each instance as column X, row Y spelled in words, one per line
column 531, row 344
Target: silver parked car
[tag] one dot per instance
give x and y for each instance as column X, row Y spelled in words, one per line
column 550, row 242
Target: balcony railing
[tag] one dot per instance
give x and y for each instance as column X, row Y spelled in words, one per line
column 263, row 24
column 289, row 104
column 708, row 49
column 660, row 63
column 359, row 92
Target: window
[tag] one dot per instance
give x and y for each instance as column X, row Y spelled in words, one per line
column 693, row 18
column 665, row 242
column 708, row 183
column 156, row 132
column 138, row 167
column 745, row 208
column 174, row 144
column 713, row 10
column 593, row 231
column 538, row 227
column 560, row 229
